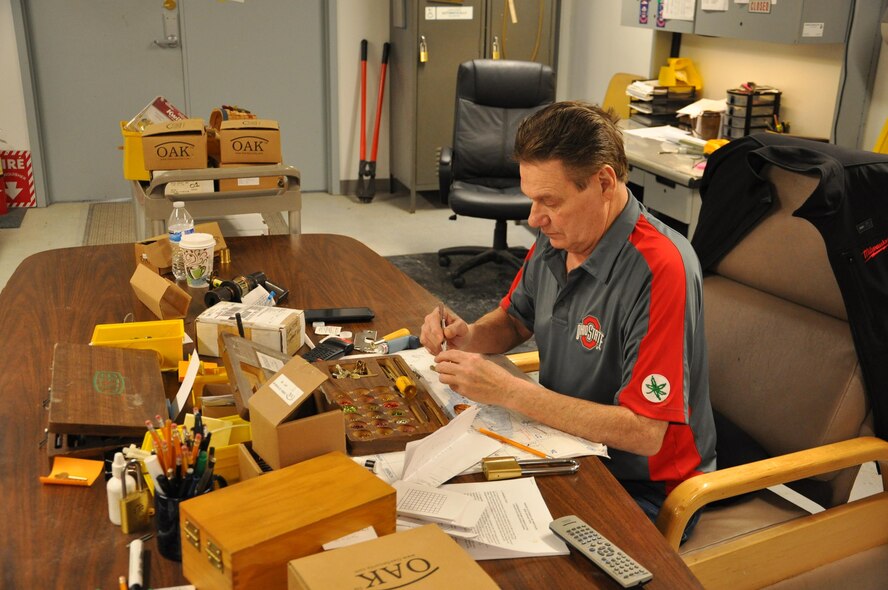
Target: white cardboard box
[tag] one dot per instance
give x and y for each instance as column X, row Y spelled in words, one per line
column 280, row 328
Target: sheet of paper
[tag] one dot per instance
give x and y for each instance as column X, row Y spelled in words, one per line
column 187, row 384
column 515, row 523
column 662, row 133
column 678, row 9
column 714, row 5
column 694, row 109
column 512, row 425
column 359, row 536
column 446, row 452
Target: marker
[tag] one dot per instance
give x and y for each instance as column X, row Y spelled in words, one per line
column 135, row 565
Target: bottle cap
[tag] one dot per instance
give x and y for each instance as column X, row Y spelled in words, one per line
column 118, row 464
column 178, row 204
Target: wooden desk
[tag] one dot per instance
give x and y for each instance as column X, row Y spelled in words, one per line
column 60, row 536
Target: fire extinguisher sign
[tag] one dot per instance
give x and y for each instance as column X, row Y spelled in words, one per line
column 18, row 178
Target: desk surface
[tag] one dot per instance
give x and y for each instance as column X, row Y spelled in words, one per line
column 645, row 153
column 55, row 533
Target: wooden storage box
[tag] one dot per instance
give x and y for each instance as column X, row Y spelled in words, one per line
column 243, row 536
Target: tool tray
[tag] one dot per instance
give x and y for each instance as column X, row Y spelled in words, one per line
column 379, row 418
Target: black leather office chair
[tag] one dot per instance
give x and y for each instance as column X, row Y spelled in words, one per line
column 478, row 176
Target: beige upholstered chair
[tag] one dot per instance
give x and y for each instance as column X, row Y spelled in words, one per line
column 785, row 375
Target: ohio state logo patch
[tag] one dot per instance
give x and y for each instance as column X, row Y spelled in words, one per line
column 589, row 333
column 655, row 388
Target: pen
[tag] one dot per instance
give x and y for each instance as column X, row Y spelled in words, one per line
column 443, row 325
column 135, row 565
column 515, row 444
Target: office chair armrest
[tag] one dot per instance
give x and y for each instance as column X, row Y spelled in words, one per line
column 698, row 491
column 526, row 362
column 445, row 172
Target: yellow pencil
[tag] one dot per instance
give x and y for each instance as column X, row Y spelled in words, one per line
column 515, row 444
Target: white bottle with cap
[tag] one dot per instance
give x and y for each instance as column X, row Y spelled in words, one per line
column 114, row 487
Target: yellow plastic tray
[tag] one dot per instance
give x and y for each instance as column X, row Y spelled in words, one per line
column 161, row 336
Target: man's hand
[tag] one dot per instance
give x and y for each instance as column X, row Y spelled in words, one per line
column 454, row 330
column 473, row 376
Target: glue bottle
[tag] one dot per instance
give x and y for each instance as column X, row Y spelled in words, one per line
column 115, row 485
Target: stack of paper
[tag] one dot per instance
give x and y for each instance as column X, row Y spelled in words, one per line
column 642, row 89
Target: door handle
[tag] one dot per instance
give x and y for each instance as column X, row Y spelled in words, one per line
column 171, row 42
column 170, row 27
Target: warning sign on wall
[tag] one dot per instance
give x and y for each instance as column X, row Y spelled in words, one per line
column 18, row 178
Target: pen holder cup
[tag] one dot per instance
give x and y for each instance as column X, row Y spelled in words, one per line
column 166, row 519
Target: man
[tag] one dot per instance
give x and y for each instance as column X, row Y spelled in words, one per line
column 614, row 299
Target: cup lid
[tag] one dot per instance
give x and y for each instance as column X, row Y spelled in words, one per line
column 197, row 240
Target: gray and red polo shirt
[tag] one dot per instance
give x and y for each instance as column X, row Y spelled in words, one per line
column 626, row 328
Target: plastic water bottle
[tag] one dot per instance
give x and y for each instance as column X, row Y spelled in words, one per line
column 180, row 223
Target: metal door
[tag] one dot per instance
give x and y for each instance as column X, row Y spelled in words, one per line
column 96, row 63
column 267, row 57
column 453, row 34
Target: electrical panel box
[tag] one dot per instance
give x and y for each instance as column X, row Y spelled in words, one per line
column 645, row 14
column 787, row 21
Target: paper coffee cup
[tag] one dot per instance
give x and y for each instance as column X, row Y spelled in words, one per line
column 197, row 254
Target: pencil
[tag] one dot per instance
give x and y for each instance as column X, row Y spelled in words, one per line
column 515, row 444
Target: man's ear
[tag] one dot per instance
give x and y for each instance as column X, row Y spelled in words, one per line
column 607, row 179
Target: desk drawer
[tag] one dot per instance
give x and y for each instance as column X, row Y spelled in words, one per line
column 668, row 197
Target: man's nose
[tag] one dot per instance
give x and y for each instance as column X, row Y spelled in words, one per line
column 536, row 218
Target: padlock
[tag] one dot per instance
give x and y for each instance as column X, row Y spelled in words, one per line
column 136, row 507
column 423, row 50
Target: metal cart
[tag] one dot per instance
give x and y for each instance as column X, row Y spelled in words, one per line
column 152, row 206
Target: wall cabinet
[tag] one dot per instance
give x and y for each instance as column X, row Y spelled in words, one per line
column 786, row 21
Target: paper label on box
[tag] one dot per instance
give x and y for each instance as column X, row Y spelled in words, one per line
column 268, row 362
column 286, row 390
column 249, row 181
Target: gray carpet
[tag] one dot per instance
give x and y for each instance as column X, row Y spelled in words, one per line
column 485, row 285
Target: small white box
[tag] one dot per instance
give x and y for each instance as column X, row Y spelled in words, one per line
column 186, row 187
column 280, row 328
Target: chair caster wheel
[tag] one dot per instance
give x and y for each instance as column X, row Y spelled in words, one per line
column 458, row 282
column 444, row 260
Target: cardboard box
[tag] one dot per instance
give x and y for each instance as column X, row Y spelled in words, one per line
column 186, row 187
column 250, row 141
column 279, row 328
column 175, row 145
column 249, row 183
column 164, row 298
column 242, row 536
column 287, row 419
column 424, row 558
column 155, row 253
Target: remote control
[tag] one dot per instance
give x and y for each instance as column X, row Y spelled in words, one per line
column 626, row 571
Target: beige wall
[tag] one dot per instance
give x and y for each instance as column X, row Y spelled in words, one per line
column 807, row 75
column 356, row 20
